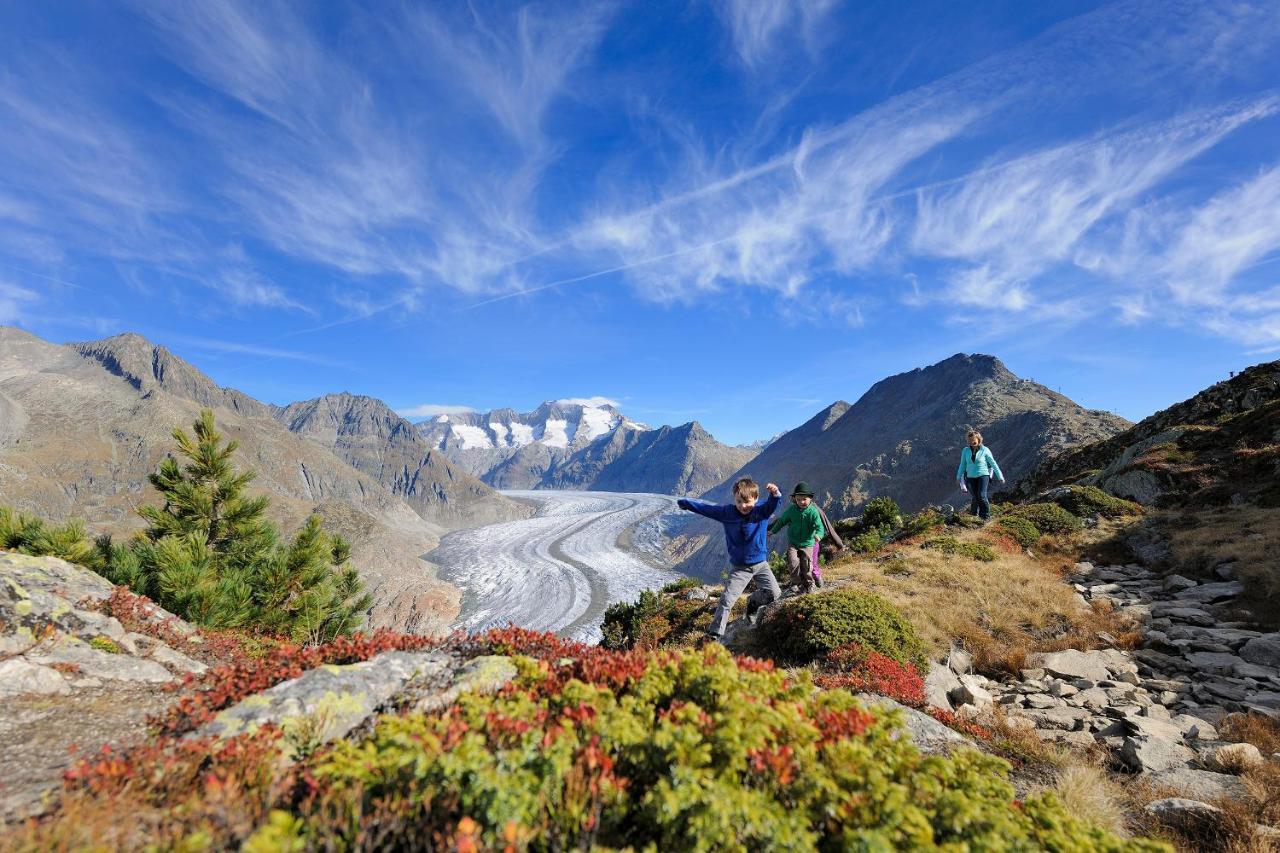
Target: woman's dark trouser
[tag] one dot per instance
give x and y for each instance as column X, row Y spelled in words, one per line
column 980, row 506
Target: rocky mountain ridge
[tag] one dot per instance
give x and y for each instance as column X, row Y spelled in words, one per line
column 903, row 437
column 371, row 437
column 1217, row 447
column 576, row 445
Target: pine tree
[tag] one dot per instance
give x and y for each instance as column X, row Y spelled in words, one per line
column 210, row 554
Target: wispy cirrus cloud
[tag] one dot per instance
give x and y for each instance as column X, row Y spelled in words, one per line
column 759, row 27
column 15, row 301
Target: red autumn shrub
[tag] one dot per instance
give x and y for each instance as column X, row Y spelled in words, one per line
column 861, row 670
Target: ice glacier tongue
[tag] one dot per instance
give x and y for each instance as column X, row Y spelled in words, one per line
column 560, row 569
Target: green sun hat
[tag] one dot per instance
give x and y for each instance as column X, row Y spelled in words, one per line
column 802, row 490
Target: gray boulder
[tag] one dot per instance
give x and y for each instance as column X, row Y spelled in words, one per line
column 1153, row 754
column 1232, row 758
column 925, row 732
column 938, row 685
column 18, row 677
column 1263, row 651
column 1180, row 812
column 1211, row 592
column 1199, row 784
column 1073, row 664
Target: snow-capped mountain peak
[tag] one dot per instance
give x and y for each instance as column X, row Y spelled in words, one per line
column 556, row 424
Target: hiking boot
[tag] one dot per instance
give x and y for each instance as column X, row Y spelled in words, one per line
column 706, row 640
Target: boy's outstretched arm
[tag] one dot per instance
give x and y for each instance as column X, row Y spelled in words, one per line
column 713, row 511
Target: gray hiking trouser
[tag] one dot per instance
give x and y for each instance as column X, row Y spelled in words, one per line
column 800, row 564
column 739, row 577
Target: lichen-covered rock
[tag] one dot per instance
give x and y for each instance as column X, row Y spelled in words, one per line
column 96, row 662
column 1263, row 651
column 928, row 734
column 328, row 702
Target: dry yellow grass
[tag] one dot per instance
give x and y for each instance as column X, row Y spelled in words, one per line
column 1085, row 789
column 1000, row 611
column 1247, row 535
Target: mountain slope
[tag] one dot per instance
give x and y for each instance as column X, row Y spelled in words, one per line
column 368, row 435
column 683, row 460
column 903, row 437
column 81, row 428
column 1220, row 446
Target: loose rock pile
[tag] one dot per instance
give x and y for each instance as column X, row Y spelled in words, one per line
column 1155, row 708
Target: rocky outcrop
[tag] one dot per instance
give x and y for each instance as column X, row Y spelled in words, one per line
column 329, row 702
column 905, row 430
column 53, row 641
column 903, row 438
column 1215, row 448
column 1154, row 708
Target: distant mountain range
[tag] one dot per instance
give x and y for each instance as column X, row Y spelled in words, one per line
column 575, row 445
column 83, row 425
column 903, row 437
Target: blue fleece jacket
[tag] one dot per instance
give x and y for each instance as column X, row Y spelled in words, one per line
column 744, row 535
column 980, row 464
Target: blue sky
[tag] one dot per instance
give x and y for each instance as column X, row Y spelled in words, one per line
column 733, row 211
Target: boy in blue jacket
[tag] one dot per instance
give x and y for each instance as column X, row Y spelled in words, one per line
column 744, row 537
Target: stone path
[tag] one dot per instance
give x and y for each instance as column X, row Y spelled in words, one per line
column 1155, row 708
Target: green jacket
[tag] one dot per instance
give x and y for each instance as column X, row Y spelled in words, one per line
column 804, row 527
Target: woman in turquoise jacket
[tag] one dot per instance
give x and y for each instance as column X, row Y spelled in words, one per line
column 977, row 467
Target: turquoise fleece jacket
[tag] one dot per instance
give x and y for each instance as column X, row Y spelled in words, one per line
column 983, row 464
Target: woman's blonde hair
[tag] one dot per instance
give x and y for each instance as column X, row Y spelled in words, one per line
column 973, row 433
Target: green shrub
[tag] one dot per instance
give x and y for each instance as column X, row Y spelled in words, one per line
column 1020, row 529
column 105, row 644
column 656, row 619
column 809, row 626
column 881, row 512
column 868, row 541
column 1090, row 500
column 30, row 535
column 1048, row 518
column 778, row 565
column 696, row 753
column 681, row 585
column 954, row 547
column 920, row 523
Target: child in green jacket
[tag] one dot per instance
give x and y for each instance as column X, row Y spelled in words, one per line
column 804, row 530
